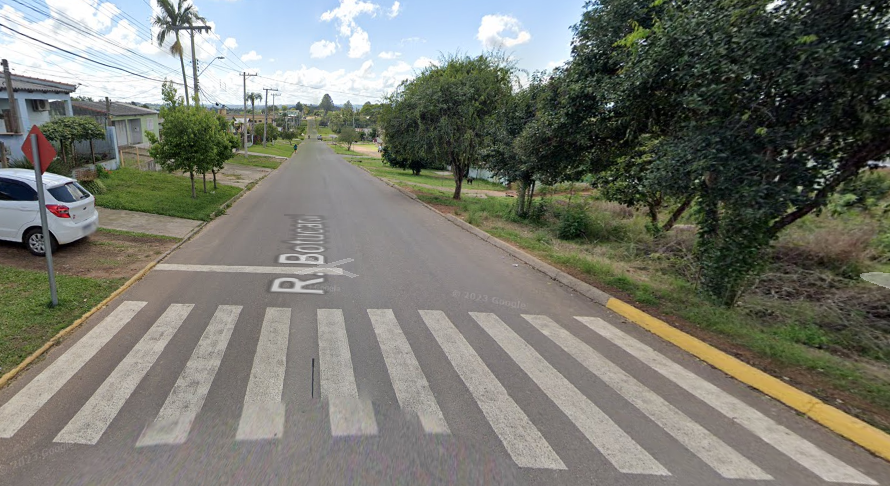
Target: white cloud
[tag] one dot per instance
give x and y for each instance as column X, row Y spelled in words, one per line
column 322, row 49
column 394, row 10
column 359, row 44
column 346, row 13
column 411, row 40
column 555, row 64
column 424, row 61
column 231, row 43
column 492, row 28
column 365, row 70
column 251, row 56
column 389, row 55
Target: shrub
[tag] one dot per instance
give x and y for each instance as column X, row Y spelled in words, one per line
column 94, row 187
column 866, row 190
column 573, row 223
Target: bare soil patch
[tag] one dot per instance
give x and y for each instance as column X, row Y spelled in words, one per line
column 101, row 255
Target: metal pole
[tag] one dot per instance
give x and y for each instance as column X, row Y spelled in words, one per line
column 244, row 116
column 266, row 117
column 47, row 241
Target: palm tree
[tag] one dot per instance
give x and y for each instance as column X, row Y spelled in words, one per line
column 170, row 17
column 253, row 98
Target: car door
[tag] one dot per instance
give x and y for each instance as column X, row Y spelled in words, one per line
column 18, row 207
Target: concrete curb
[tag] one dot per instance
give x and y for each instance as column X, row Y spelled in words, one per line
column 843, row 424
column 7, row 377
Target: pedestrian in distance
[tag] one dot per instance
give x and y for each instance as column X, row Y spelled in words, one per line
column 295, row 148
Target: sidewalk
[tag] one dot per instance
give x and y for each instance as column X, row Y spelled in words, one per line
column 154, row 224
column 482, row 193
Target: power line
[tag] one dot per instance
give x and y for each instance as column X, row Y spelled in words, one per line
column 84, row 57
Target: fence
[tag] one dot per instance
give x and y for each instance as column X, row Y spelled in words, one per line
column 137, row 158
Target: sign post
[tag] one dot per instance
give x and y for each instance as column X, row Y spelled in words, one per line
column 41, row 153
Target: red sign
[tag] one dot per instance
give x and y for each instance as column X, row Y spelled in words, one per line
column 45, row 149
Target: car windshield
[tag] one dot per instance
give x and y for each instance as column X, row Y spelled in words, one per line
column 69, row 193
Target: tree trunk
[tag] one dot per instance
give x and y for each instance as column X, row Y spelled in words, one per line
column 204, row 176
column 214, row 179
column 653, row 213
column 92, row 152
column 531, row 197
column 677, row 213
column 192, row 177
column 457, row 170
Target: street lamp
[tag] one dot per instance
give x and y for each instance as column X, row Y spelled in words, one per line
column 208, row 65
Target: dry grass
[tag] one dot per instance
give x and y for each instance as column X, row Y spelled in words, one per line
column 844, row 247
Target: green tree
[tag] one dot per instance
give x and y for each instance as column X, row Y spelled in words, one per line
column 446, row 108
column 755, row 112
column 348, row 136
column 253, row 98
column 260, row 130
column 327, row 103
column 68, row 130
column 226, row 145
column 170, row 16
column 190, row 141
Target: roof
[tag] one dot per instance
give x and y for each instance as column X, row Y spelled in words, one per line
column 49, row 178
column 36, row 85
column 117, row 109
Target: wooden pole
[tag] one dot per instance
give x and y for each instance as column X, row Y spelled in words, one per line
column 13, row 108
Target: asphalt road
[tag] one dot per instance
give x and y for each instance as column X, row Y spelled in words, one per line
column 429, row 357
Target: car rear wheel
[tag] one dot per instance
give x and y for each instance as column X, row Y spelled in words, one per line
column 33, row 240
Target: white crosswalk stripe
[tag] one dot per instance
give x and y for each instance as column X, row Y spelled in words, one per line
column 94, row 417
column 626, row 455
column 805, row 453
column 174, row 421
column 523, row 441
column 408, row 380
column 349, row 415
column 263, row 413
column 710, row 449
column 18, row 410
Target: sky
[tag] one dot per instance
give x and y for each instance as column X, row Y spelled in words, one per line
column 354, row 50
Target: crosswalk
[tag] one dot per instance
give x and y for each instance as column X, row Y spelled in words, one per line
column 264, row 410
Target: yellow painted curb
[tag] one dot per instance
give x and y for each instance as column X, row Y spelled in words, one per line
column 841, row 423
column 64, row 332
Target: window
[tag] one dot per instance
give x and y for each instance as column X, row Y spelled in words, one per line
column 69, row 192
column 16, row 191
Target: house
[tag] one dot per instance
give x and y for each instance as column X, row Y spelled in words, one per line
column 129, row 121
column 33, row 107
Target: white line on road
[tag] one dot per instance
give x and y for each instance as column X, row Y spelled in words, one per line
column 263, row 413
column 714, row 452
column 96, row 415
column 523, row 441
column 408, row 380
column 803, row 452
column 348, row 414
column 175, row 419
column 18, row 410
column 626, row 455
column 252, row 269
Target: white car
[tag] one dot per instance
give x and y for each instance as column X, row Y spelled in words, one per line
column 70, row 210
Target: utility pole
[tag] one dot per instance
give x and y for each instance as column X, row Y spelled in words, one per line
column 266, row 122
column 192, row 29
column 244, row 120
column 274, row 95
column 13, row 108
column 107, row 112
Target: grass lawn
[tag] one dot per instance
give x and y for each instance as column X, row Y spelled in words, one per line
column 784, row 338
column 324, row 131
column 255, row 161
column 162, row 193
column 137, row 234
column 341, row 150
column 27, row 321
column 427, row 176
column 281, row 148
